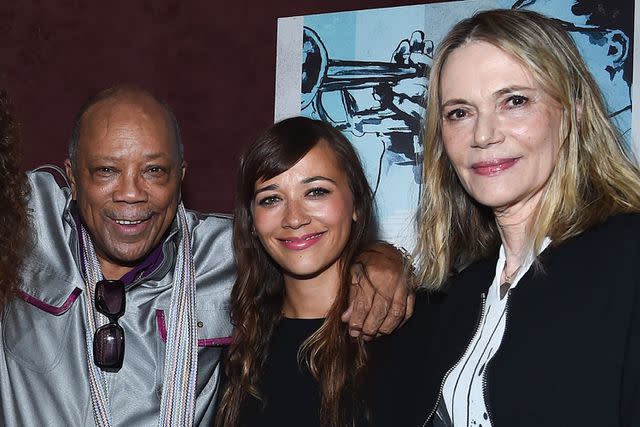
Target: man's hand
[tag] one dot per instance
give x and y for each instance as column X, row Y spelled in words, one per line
column 381, row 296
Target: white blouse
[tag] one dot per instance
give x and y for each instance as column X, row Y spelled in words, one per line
column 463, row 391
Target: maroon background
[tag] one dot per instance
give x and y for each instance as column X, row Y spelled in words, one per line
column 213, row 61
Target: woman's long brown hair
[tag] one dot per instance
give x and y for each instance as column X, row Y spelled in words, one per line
column 13, row 213
column 333, row 358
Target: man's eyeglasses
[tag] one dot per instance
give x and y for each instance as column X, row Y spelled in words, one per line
column 108, row 340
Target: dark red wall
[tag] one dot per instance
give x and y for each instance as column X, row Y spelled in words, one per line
column 213, row 61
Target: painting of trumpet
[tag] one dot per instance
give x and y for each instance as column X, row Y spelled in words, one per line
column 366, row 72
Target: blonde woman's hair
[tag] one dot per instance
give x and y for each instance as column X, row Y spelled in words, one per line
column 592, row 180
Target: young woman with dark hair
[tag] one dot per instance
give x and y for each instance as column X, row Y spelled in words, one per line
column 304, row 211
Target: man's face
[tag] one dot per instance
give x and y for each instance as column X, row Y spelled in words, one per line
column 127, row 179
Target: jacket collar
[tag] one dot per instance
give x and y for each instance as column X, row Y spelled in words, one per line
column 52, row 275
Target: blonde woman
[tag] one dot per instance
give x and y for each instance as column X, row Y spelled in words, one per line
column 529, row 225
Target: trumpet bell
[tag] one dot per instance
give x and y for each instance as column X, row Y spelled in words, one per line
column 314, row 65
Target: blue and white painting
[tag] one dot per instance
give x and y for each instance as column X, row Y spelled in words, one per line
column 366, row 73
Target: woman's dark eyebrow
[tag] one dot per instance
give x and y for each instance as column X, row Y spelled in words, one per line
column 317, row 178
column 265, row 188
column 304, row 181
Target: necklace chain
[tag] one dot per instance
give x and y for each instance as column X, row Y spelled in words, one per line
column 508, row 280
column 509, row 277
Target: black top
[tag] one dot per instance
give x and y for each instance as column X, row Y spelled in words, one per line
column 292, row 394
column 571, row 350
column 401, row 371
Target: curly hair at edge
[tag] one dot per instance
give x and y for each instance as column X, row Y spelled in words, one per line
column 336, row 360
column 592, row 180
column 13, row 212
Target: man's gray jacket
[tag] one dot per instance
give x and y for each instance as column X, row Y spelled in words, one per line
column 43, row 367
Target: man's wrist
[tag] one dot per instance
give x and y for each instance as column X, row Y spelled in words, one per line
column 407, row 262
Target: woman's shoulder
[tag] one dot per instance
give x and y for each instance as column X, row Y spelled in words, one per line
column 401, row 371
column 412, row 337
column 615, row 237
column 626, row 222
column 621, row 224
column 604, row 254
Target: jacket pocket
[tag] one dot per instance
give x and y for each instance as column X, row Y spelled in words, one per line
column 35, row 333
column 214, row 335
column 214, row 327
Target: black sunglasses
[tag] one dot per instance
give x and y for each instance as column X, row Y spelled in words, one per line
column 108, row 340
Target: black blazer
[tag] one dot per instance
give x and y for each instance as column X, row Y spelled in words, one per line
column 571, row 350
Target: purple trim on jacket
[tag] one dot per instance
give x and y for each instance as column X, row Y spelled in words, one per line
column 204, row 342
column 51, row 309
column 147, row 266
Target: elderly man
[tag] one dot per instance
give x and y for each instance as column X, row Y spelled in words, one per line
column 117, row 263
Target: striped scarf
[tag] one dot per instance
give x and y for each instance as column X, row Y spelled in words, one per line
column 177, row 404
